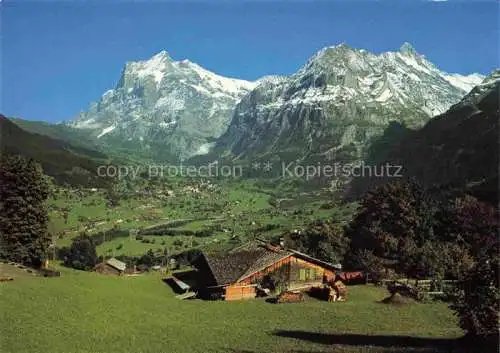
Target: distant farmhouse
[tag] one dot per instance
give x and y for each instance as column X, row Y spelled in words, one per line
column 111, row 267
column 237, row 274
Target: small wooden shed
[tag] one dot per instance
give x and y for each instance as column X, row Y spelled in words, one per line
column 112, row 267
column 238, row 292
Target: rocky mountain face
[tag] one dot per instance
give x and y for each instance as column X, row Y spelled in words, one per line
column 338, row 103
column 457, row 150
column 332, row 108
column 163, row 108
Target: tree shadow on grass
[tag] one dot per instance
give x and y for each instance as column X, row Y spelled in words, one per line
column 341, row 349
column 392, row 343
column 337, row 343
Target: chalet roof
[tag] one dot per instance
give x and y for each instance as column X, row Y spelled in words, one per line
column 337, row 267
column 121, row 266
column 228, row 267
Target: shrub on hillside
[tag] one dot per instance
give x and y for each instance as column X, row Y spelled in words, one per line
column 477, row 299
column 148, row 259
column 82, row 253
column 374, row 266
column 321, row 239
column 421, row 234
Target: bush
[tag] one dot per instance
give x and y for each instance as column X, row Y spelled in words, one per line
column 148, row 259
column 82, row 254
column 374, row 266
column 476, row 300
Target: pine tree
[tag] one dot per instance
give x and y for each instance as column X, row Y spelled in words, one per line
column 23, row 213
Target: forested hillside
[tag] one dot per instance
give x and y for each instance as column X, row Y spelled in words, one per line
column 66, row 163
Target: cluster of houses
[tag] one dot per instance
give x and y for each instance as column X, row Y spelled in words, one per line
column 116, row 267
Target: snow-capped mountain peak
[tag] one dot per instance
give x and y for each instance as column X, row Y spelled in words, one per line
column 341, row 99
column 464, row 82
column 401, row 77
column 154, row 67
column 483, row 88
column 160, row 100
column 408, row 49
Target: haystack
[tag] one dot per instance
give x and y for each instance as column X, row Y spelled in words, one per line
column 396, row 299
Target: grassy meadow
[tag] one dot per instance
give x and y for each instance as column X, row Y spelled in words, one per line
column 83, row 312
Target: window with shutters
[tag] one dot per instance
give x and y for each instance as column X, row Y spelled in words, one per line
column 302, row 274
column 312, row 274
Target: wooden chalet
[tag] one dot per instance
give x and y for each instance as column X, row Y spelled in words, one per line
column 236, row 275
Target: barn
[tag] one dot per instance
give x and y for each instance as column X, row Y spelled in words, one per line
column 238, row 274
column 111, row 267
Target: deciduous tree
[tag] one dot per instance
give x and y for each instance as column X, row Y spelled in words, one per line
column 477, row 300
column 82, row 253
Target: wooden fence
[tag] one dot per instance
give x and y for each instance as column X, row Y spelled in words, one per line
column 426, row 286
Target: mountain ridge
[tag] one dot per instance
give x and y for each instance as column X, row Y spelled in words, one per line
column 166, row 110
column 339, row 100
column 457, row 150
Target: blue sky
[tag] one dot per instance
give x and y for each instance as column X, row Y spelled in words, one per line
column 60, row 56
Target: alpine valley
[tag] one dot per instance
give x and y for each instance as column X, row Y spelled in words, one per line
column 333, row 107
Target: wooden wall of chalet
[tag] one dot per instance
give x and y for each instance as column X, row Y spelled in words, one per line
column 237, row 292
column 257, row 276
column 305, row 274
column 300, row 273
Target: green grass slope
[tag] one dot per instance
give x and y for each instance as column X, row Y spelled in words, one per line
column 85, row 312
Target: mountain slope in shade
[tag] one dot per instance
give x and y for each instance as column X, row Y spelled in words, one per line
column 64, row 162
column 167, row 109
column 337, row 103
column 458, row 149
column 63, row 132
